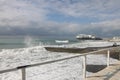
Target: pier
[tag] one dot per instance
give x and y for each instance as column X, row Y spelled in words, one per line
column 111, row 72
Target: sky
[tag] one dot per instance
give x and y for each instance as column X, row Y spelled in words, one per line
column 60, row 17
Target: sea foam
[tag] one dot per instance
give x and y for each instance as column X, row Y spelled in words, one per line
column 63, row 70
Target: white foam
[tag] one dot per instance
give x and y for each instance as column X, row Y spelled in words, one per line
column 84, row 44
column 63, row 70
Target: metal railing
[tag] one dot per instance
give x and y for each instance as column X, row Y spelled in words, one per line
column 84, row 56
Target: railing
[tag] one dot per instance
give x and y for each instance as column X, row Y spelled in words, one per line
column 23, row 68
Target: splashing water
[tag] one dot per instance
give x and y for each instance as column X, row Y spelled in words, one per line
column 10, row 58
column 28, row 41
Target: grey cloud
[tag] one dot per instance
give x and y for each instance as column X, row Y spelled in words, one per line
column 109, row 25
column 100, row 9
column 60, row 29
column 22, row 17
column 19, row 13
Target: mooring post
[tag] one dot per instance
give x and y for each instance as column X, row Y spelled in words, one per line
column 23, row 73
column 108, row 58
column 84, row 67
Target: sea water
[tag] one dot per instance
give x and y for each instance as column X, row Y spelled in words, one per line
column 19, row 51
column 11, row 42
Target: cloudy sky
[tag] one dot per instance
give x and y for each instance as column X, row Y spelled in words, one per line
column 60, row 17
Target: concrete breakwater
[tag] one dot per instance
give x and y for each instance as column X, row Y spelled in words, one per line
column 75, row 50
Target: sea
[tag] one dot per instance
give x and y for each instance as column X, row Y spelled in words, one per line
column 11, row 42
column 18, row 51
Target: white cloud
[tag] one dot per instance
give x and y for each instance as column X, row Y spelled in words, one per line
column 100, row 9
column 107, row 26
column 33, row 14
column 112, row 24
column 37, row 10
column 19, row 13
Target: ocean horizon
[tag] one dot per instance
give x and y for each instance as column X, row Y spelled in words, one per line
column 11, row 42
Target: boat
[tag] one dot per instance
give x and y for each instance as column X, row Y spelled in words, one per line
column 87, row 37
column 62, row 41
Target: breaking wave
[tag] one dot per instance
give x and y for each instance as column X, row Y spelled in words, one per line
column 10, row 58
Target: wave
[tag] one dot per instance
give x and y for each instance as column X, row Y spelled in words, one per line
column 40, row 48
column 58, row 71
column 84, row 44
